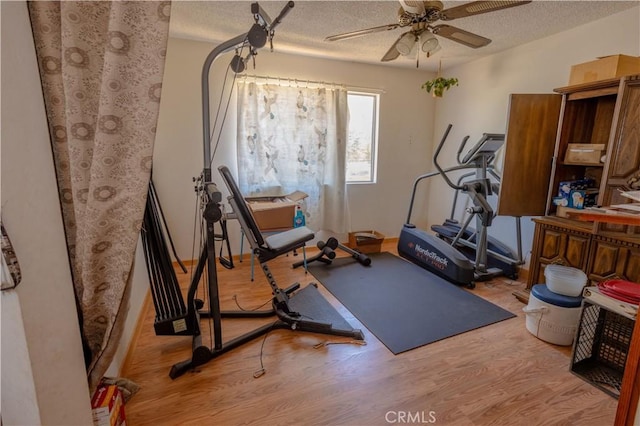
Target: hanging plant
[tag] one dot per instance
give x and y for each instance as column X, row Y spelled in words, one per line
column 439, row 85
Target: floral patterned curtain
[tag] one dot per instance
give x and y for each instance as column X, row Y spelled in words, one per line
column 101, row 65
column 294, row 138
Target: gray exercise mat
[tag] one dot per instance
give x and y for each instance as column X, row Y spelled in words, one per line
column 403, row 305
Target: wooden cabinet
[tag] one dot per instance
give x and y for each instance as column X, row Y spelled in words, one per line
column 604, row 113
column 569, row 243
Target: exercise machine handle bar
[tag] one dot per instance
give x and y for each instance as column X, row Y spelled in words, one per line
column 462, row 145
column 426, row 176
column 474, row 189
column 284, row 12
column 435, row 161
column 441, row 172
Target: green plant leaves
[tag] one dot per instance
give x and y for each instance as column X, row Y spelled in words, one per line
column 439, row 85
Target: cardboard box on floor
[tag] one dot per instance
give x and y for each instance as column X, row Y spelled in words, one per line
column 366, row 241
column 275, row 213
column 107, row 406
column 604, row 68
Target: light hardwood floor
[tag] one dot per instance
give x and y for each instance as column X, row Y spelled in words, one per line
column 498, row 375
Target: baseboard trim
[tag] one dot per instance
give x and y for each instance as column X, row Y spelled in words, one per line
column 241, row 257
column 523, row 274
column 135, row 337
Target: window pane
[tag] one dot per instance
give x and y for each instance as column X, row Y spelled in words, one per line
column 362, row 134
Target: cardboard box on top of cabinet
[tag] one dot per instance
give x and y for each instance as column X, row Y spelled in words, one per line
column 584, row 153
column 604, row 68
column 275, row 212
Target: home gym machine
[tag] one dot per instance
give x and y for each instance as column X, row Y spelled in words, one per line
column 301, row 309
column 445, row 258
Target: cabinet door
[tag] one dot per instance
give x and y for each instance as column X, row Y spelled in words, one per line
column 565, row 248
column 623, row 171
column 559, row 246
column 610, row 258
column 529, row 147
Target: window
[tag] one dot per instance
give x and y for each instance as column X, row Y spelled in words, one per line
column 363, row 135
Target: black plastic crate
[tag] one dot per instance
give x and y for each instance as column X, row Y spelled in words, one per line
column 601, row 347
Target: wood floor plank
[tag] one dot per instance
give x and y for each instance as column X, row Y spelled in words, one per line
column 498, row 375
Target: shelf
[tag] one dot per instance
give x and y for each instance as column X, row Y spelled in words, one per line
column 565, row 163
column 591, row 89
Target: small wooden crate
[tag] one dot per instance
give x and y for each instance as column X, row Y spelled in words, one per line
column 366, row 241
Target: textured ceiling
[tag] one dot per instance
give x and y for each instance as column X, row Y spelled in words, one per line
column 303, row 30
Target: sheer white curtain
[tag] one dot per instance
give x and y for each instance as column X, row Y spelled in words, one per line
column 294, row 138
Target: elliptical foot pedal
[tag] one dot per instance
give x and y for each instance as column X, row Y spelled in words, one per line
column 487, row 275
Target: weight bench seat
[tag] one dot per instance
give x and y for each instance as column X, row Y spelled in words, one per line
column 282, row 241
column 269, row 247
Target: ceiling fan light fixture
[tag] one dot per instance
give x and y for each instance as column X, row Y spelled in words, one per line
column 429, row 44
column 421, row 15
column 433, row 51
column 406, row 44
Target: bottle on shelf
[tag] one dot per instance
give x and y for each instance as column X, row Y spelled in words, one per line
column 298, row 219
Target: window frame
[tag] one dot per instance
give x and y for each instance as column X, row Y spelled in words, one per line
column 374, row 136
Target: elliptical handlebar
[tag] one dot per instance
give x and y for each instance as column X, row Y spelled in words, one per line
column 462, row 145
column 435, row 159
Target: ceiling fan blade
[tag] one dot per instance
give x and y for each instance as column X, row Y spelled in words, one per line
column 461, row 36
column 392, row 53
column 477, row 8
column 359, row 33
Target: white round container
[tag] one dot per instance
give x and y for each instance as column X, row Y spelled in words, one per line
column 565, row 280
column 550, row 322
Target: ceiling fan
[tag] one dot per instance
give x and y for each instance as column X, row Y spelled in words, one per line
column 420, row 16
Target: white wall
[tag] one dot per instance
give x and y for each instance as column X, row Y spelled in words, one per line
column 406, row 127
column 480, row 103
column 31, row 215
column 19, row 397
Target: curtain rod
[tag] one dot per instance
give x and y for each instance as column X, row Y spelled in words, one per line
column 295, row 81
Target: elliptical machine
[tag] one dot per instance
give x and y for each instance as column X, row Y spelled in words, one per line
column 440, row 256
column 500, row 258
